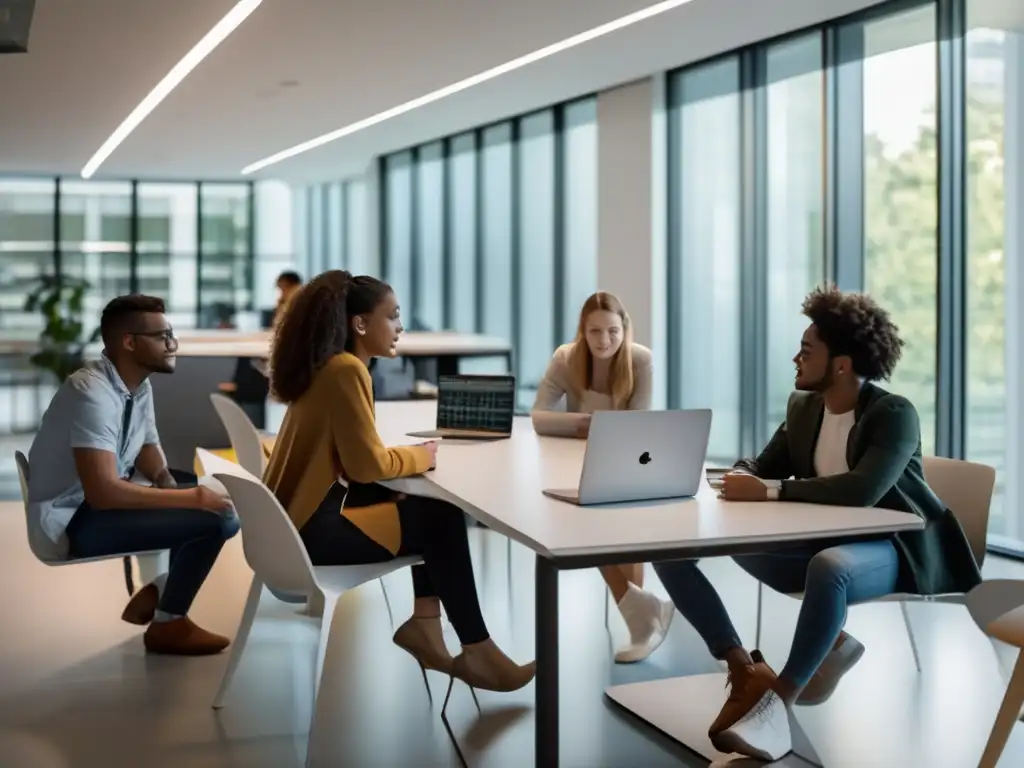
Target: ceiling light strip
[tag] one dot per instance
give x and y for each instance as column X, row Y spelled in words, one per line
column 220, row 31
column 469, row 82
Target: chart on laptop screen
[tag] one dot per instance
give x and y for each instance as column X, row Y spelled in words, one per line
column 484, row 403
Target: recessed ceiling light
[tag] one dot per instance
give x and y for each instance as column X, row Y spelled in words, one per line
column 231, row 21
column 469, row 82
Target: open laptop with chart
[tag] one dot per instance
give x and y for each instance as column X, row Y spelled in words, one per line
column 474, row 407
column 641, row 456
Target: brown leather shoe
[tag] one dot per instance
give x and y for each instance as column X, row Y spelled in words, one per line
column 746, row 687
column 181, row 637
column 142, row 606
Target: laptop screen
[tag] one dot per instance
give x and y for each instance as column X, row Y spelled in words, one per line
column 479, row 403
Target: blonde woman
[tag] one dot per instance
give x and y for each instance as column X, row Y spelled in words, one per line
column 601, row 370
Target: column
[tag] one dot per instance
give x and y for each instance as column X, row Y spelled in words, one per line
column 631, row 211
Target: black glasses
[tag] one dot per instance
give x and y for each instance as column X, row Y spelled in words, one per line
column 170, row 340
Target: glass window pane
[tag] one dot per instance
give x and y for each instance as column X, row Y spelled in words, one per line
column 356, row 249
column 166, row 247
column 706, row 202
column 795, row 215
column 95, row 220
column 995, row 246
column 429, row 237
column 496, row 220
column 462, row 222
column 225, row 273
column 398, row 216
column 537, row 248
column 900, row 194
column 335, row 256
column 26, row 251
column 579, row 161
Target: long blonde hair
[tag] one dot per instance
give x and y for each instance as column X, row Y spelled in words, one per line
column 581, row 361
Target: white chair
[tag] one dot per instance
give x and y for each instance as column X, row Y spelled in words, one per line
column 966, row 489
column 278, row 559
column 152, row 562
column 997, row 607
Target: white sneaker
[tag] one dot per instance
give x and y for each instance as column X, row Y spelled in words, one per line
column 648, row 619
column 763, row 733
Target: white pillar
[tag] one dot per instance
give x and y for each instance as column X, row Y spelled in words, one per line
column 1013, row 256
column 631, row 210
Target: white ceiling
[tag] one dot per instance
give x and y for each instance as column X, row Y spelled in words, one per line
column 299, row 68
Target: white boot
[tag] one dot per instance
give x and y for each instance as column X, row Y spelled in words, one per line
column 648, row 619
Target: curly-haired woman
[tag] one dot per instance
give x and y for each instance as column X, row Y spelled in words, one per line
column 845, row 442
column 328, row 462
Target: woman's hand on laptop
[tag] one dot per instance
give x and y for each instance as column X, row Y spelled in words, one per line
column 431, row 447
column 740, row 486
column 583, row 426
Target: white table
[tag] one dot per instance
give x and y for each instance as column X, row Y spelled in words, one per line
column 499, row 483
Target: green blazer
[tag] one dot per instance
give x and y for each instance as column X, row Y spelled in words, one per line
column 884, row 455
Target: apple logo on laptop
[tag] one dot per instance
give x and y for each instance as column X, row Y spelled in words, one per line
column 645, row 458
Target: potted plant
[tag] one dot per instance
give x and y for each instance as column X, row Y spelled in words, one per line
column 63, row 340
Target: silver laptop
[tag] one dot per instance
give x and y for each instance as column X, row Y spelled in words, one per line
column 473, row 407
column 641, row 456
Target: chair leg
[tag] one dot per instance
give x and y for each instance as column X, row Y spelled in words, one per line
column 151, row 566
column 910, row 635
column 252, row 603
column 330, row 603
column 387, row 602
column 760, row 605
column 607, row 610
column 1009, row 711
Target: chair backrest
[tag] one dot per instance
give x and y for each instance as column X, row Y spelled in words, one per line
column 270, row 541
column 965, row 488
column 22, row 461
column 245, row 438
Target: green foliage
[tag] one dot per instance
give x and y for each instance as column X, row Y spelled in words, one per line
column 901, row 269
column 63, row 339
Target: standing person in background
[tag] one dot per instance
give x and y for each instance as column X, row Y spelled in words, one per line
column 604, row 370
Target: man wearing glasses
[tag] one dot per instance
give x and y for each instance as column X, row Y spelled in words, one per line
column 97, row 432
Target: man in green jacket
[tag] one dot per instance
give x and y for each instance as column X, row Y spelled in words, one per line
column 845, row 442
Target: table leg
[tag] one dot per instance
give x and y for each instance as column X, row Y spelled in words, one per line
column 546, row 607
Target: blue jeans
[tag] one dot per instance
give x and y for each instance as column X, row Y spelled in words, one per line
column 194, row 537
column 831, row 578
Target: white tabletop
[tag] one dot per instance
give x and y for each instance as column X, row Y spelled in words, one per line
column 412, row 344
column 500, row 484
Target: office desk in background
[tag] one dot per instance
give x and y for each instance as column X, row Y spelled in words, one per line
column 499, row 483
column 185, row 417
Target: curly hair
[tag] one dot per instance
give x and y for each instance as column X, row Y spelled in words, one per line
column 315, row 327
column 853, row 325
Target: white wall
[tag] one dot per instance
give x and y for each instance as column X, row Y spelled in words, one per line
column 631, row 210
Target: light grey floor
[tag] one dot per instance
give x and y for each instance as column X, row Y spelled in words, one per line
column 76, row 688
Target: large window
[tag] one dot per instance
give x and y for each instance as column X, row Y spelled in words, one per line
column 536, row 273
column 96, row 238
column 901, row 194
column 462, row 228
column 495, row 230
column 429, row 264
column 26, row 250
column 705, row 199
column 579, row 158
column 794, row 160
column 166, row 248
column 398, row 170
column 225, row 276
column 496, row 165
column 995, row 245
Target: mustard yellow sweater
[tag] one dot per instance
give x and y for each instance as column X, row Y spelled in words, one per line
column 330, row 433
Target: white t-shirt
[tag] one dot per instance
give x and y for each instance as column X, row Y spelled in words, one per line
column 830, row 453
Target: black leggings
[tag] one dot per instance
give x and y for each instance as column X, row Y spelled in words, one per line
column 432, row 529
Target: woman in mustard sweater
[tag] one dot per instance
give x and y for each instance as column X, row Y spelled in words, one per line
column 328, row 462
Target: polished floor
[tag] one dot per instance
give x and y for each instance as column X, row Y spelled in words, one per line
column 78, row 690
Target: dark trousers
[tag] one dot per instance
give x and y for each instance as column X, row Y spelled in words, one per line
column 432, row 529
column 194, row 537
